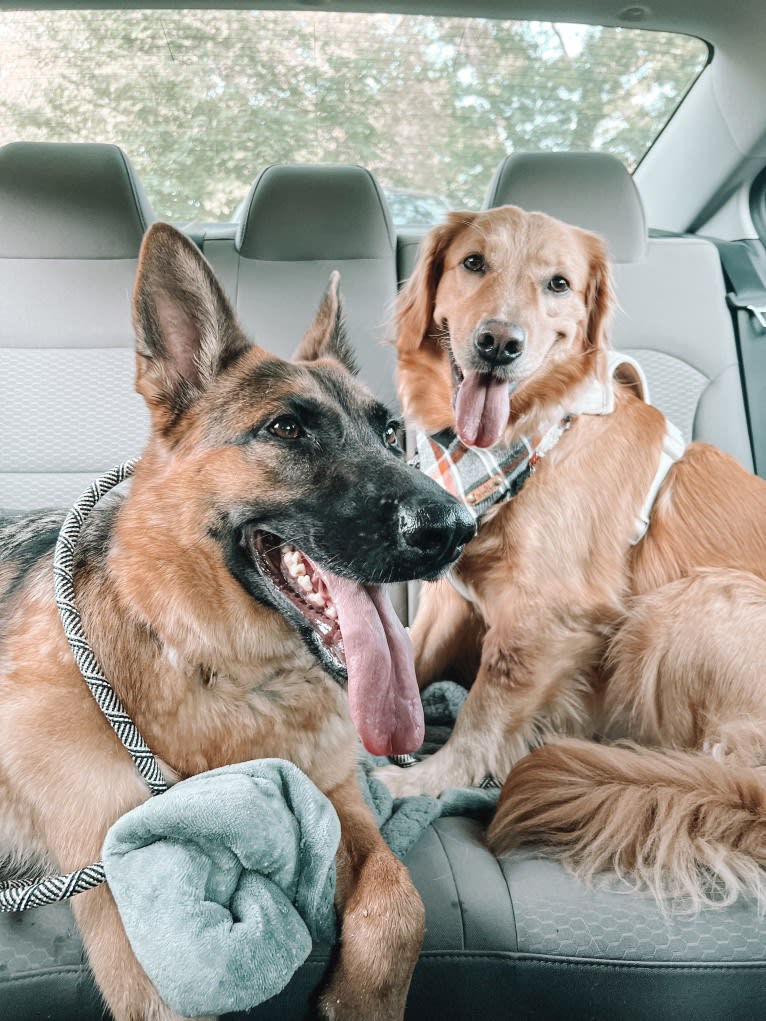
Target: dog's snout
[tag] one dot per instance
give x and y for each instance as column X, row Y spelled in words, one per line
column 436, row 530
column 499, row 342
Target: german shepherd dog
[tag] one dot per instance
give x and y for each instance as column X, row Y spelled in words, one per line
column 230, row 597
column 567, row 624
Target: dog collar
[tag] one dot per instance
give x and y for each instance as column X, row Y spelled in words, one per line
column 478, row 477
column 482, row 477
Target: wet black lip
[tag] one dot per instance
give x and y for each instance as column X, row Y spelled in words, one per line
column 322, row 638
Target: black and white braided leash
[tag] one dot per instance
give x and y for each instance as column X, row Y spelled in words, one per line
column 100, row 688
column 15, row 896
column 20, row 896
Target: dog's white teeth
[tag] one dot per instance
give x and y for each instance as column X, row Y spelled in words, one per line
column 287, row 548
column 331, row 612
column 294, row 565
column 314, row 599
column 304, row 582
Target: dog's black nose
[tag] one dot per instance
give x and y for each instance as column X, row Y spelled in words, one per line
column 436, row 530
column 499, row 342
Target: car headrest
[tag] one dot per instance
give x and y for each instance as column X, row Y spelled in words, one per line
column 298, row 212
column 588, row 189
column 61, row 200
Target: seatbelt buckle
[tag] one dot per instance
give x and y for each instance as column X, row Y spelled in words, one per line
column 758, row 312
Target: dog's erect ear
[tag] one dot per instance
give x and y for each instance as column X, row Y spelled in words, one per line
column 415, row 306
column 186, row 331
column 326, row 337
column 599, row 296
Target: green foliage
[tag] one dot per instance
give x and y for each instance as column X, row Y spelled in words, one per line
column 203, row 100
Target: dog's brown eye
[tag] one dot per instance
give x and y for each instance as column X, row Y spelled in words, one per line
column 474, row 263
column 558, row 284
column 286, row 428
column 391, row 435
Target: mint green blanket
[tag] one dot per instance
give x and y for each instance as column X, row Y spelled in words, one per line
column 402, row 820
column 236, row 867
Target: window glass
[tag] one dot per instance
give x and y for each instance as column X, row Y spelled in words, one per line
column 203, row 100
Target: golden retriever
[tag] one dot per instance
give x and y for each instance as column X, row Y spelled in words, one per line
column 567, row 627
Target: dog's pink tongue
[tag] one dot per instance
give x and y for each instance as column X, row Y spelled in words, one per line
column 382, row 691
column 482, row 409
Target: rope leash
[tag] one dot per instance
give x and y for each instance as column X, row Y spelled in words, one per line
column 100, row 688
column 15, row 896
column 20, row 896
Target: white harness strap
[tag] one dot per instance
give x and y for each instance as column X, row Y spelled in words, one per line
column 597, row 398
column 673, row 447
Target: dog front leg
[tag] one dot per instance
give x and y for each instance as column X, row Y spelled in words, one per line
column 519, row 684
column 124, row 984
column 82, row 803
column 446, row 635
column 383, row 920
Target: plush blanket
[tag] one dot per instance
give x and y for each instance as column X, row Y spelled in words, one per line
column 402, row 820
column 237, row 868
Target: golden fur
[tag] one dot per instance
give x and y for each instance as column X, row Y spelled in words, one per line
column 209, row 675
column 576, row 632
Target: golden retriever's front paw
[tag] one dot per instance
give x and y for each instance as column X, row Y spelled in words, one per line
column 405, row 782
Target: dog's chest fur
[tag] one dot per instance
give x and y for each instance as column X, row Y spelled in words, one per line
column 284, row 708
column 523, row 538
column 198, row 707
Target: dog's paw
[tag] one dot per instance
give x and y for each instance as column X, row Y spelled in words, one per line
column 407, row 782
column 342, row 1002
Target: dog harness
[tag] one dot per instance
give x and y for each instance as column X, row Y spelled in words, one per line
column 480, row 478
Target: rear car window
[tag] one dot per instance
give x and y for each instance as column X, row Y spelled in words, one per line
column 202, row 100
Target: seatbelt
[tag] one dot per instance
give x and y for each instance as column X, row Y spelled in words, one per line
column 744, row 267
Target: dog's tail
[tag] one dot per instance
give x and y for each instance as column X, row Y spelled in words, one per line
column 680, row 824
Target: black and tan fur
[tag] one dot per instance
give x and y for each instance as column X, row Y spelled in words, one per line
column 210, row 664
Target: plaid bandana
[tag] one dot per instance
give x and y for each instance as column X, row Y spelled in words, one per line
column 480, row 478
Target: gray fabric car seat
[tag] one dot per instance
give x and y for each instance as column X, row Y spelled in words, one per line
column 672, row 313
column 71, row 221
column 516, row 939
column 300, row 222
